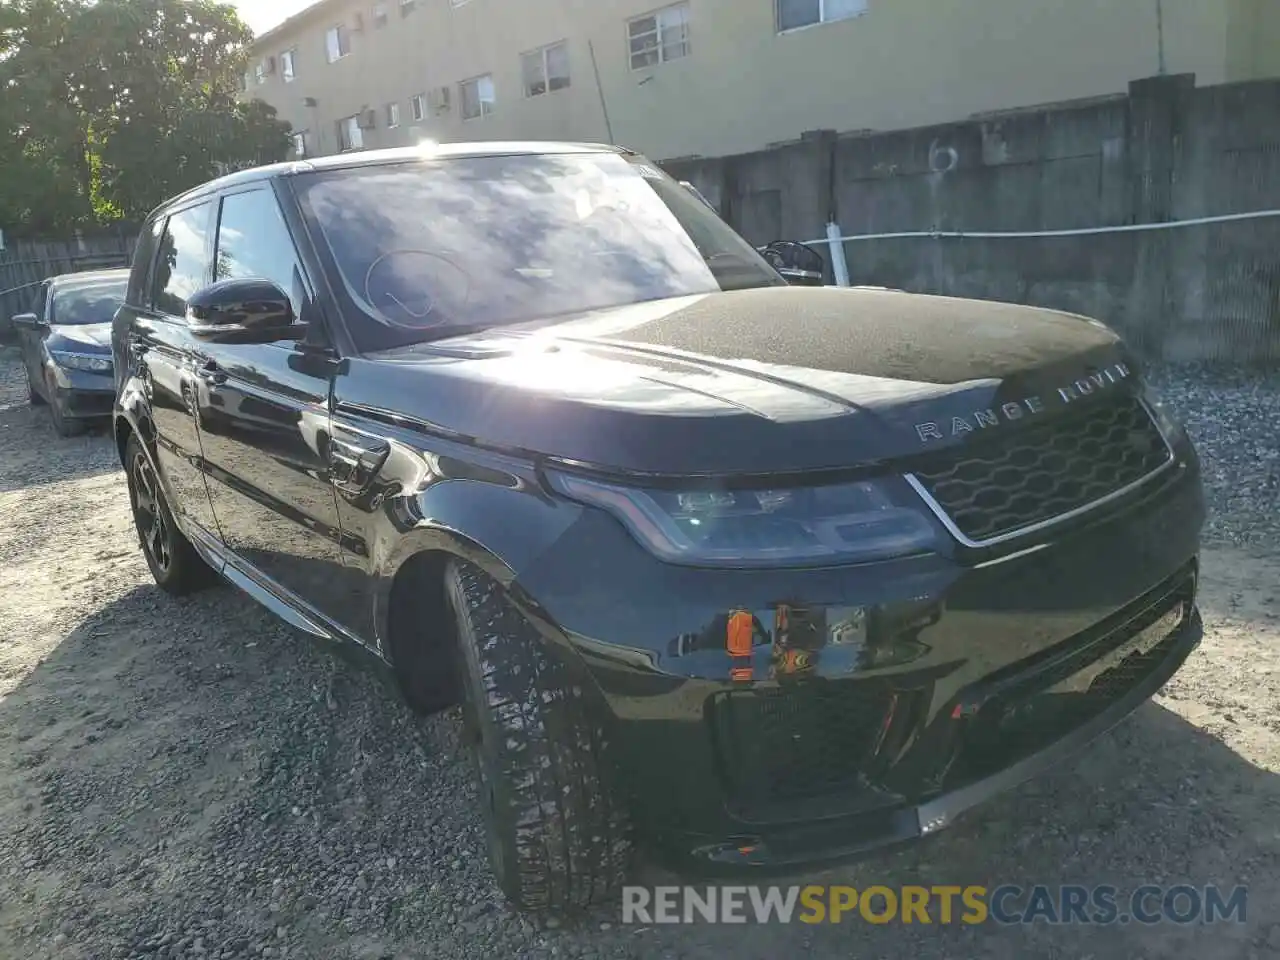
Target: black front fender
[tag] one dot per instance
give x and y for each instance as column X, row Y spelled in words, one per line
column 132, row 413
column 502, row 524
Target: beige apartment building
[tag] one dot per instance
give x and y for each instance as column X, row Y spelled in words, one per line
column 714, row 77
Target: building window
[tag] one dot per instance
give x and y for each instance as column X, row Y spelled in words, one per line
column 379, row 14
column 477, row 97
column 546, row 69
column 337, row 43
column 793, row 14
column 661, row 36
column 287, row 68
column 418, row 107
column 260, row 72
column 393, row 115
column 406, row 7
column 300, row 144
column 350, row 136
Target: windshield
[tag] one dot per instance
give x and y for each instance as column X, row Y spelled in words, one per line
column 426, row 248
column 87, row 301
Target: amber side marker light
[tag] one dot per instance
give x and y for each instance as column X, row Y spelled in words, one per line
column 740, row 634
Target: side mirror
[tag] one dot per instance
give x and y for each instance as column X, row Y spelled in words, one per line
column 26, row 321
column 799, row 265
column 242, row 311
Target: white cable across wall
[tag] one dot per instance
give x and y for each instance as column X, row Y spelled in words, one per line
column 840, row 266
column 1078, row 232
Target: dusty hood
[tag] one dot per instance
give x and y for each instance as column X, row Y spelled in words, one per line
column 764, row 380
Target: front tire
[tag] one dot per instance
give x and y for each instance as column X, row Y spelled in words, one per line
column 559, row 839
column 63, row 425
column 173, row 561
column 34, row 396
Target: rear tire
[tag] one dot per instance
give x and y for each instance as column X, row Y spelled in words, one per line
column 559, row 840
column 174, row 563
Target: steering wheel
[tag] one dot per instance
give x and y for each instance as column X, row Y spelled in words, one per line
column 437, row 273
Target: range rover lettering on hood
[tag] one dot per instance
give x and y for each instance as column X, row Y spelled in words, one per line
column 1028, row 406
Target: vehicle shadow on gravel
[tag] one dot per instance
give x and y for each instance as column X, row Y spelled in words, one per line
column 192, row 771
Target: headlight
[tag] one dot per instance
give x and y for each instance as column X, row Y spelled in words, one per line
column 88, row 362
column 1165, row 418
column 848, row 523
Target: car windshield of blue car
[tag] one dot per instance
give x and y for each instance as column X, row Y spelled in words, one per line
column 428, row 248
column 89, row 301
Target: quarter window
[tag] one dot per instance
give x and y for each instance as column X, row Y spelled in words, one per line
column 793, row 14
column 182, row 268
column 661, row 36
column 546, row 69
column 477, row 97
column 254, row 241
column 337, row 43
column 139, row 293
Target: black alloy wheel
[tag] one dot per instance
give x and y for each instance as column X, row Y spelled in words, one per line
column 174, row 563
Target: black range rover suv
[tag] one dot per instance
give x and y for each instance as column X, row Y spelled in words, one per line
column 762, row 576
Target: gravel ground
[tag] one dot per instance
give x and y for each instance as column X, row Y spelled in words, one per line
column 193, row 779
column 1234, row 417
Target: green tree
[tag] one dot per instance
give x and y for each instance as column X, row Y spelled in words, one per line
column 113, row 106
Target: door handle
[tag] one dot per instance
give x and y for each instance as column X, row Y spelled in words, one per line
column 353, row 466
column 211, row 373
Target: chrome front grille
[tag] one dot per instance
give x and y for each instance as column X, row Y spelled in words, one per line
column 998, row 487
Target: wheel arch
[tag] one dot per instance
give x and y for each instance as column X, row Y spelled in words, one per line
column 123, row 429
column 131, row 419
column 411, row 590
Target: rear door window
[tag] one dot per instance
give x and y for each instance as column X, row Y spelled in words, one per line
column 183, row 266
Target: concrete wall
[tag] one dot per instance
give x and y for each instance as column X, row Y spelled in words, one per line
column 1166, row 151
column 902, row 64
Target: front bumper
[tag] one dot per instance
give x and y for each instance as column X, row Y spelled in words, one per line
column 789, row 846
column 83, row 394
column 881, row 700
